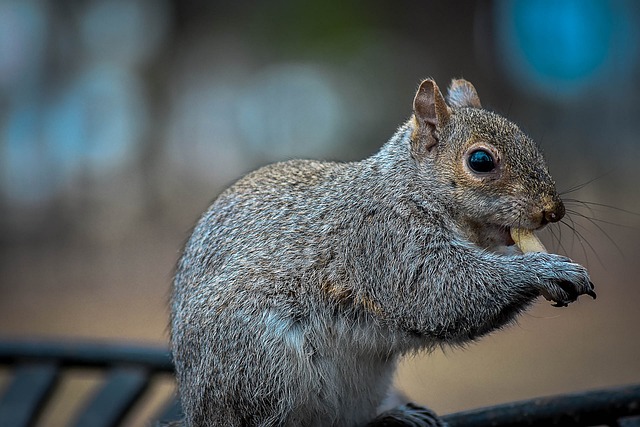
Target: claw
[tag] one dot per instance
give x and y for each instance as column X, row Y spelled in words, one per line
column 570, row 289
column 591, row 292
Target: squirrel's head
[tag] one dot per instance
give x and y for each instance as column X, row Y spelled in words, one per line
column 495, row 174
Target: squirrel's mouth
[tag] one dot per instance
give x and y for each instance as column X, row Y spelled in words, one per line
column 498, row 239
column 504, row 239
column 508, row 240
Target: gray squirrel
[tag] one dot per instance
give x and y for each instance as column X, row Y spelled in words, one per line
column 305, row 281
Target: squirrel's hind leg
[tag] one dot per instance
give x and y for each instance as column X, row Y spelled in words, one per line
column 409, row 415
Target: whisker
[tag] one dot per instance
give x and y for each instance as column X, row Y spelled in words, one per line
column 558, row 238
column 580, row 203
column 572, row 227
column 584, row 184
column 594, row 222
column 583, row 240
column 589, row 205
column 599, row 215
column 601, row 221
column 549, row 230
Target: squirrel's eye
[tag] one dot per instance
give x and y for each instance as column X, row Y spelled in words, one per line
column 481, row 161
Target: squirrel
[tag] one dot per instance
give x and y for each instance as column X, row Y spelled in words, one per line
column 305, row 282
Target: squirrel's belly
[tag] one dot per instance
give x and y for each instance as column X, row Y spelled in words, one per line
column 336, row 381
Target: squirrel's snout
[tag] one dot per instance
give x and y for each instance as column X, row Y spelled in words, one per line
column 553, row 211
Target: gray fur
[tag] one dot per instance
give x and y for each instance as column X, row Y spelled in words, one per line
column 305, row 281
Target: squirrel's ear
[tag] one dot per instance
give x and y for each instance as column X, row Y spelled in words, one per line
column 462, row 94
column 431, row 113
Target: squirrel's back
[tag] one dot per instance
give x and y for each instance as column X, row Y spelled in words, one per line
column 255, row 272
column 272, row 213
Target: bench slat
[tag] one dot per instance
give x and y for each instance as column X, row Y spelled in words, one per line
column 597, row 407
column 629, row 422
column 172, row 411
column 115, row 398
column 27, row 393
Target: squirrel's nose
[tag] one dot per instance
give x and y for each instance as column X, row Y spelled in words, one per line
column 554, row 211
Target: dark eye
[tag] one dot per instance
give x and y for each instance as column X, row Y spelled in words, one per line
column 481, row 161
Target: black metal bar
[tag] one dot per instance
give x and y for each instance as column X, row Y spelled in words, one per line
column 629, row 422
column 27, row 394
column 86, row 354
column 113, row 401
column 172, row 411
column 600, row 407
column 39, row 363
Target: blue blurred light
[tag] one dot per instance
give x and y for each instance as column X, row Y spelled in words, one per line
column 291, row 110
column 127, row 32
column 97, row 125
column 564, row 45
column 23, row 32
column 25, row 176
column 566, row 40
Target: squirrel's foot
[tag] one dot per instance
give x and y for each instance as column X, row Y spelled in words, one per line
column 409, row 415
column 573, row 294
column 563, row 280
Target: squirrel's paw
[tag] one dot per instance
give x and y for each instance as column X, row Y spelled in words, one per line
column 562, row 280
column 409, row 415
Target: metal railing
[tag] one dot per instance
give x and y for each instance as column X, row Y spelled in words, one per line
column 35, row 370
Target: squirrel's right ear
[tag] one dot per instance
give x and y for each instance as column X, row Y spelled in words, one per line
column 463, row 94
column 431, row 113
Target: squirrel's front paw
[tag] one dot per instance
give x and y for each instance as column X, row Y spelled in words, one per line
column 563, row 281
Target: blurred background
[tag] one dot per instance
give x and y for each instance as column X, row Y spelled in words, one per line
column 121, row 120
